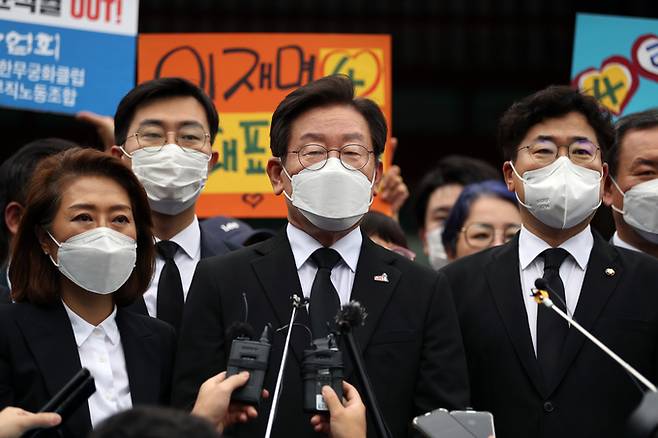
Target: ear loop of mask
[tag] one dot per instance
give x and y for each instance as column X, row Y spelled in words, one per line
column 622, row 194
column 59, row 245
column 372, row 183
column 529, row 207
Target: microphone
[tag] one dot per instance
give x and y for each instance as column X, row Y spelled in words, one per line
column 643, row 421
column 249, row 355
column 353, row 315
column 297, row 302
column 541, row 295
column 68, row 399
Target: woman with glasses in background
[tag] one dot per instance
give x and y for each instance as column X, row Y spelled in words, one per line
column 486, row 214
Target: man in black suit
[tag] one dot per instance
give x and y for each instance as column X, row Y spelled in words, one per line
column 164, row 130
column 538, row 376
column 326, row 145
column 631, row 189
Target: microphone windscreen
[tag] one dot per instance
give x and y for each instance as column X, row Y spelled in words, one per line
column 240, row 330
column 351, row 314
column 542, row 284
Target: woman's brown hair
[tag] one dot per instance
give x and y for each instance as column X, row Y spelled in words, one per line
column 33, row 276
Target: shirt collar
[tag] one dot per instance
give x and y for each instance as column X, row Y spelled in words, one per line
column 83, row 329
column 617, row 241
column 578, row 246
column 189, row 238
column 303, row 245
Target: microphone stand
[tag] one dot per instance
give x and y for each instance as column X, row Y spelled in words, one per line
column 541, row 297
column 297, row 302
column 371, row 401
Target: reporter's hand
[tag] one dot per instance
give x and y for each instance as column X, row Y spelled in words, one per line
column 214, row 401
column 347, row 421
column 14, row 422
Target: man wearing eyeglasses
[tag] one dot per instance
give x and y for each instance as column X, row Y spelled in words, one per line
column 164, row 130
column 536, row 374
column 326, row 146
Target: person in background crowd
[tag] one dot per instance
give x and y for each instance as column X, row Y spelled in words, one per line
column 632, row 185
column 438, row 191
column 164, row 130
column 83, row 251
column 485, row 215
column 15, row 174
column 325, row 145
column 386, row 231
column 527, row 366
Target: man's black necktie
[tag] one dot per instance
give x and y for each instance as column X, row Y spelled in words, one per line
column 551, row 329
column 170, row 288
column 324, row 298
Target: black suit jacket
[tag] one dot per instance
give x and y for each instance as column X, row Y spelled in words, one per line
column 38, row 355
column 592, row 396
column 212, row 244
column 410, row 341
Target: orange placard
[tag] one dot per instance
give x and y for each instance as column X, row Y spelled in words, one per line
column 247, row 75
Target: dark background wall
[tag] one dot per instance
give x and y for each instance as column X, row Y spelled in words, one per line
column 457, row 64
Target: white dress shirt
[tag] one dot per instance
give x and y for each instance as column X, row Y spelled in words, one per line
column 616, row 241
column 186, row 258
column 572, row 270
column 101, row 353
column 342, row 275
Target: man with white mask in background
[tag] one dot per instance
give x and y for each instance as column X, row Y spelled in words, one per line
column 326, row 145
column 164, row 130
column 631, row 189
column 527, row 366
column 437, row 193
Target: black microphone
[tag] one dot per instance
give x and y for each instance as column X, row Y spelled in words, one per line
column 248, row 354
column 68, row 399
column 353, row 315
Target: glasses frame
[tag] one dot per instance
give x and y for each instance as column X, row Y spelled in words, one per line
column 557, row 153
column 206, row 140
column 340, row 155
column 493, row 237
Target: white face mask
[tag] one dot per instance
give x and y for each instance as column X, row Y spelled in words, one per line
column 332, row 198
column 99, row 260
column 173, row 178
column 562, row 194
column 437, row 252
column 641, row 208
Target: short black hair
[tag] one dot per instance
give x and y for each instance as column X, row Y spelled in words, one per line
column 326, row 91
column 156, row 89
column 378, row 224
column 15, row 175
column 453, row 169
column 642, row 120
column 552, row 102
column 154, row 422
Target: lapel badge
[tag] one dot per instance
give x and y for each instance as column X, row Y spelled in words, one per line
column 609, row 272
column 383, row 278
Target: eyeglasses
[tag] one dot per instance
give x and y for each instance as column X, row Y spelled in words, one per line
column 314, row 156
column 544, row 152
column 481, row 235
column 189, row 138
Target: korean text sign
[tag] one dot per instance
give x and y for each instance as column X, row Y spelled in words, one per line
column 615, row 59
column 247, row 75
column 67, row 55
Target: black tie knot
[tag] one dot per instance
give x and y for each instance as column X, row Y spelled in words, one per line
column 325, row 258
column 167, row 249
column 553, row 258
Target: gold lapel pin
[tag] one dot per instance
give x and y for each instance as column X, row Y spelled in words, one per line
column 609, row 272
